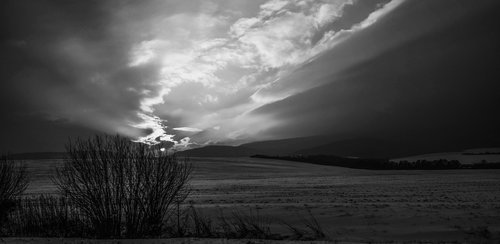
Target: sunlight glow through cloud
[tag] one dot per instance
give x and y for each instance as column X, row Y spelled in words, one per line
column 187, row 129
column 225, row 54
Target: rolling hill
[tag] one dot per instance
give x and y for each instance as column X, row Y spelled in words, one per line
column 315, row 145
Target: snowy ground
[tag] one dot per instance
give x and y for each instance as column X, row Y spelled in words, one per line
column 352, row 205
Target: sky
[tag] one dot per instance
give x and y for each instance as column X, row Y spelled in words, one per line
column 190, row 73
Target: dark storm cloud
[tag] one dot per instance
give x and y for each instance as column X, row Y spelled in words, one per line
column 430, row 77
column 62, row 61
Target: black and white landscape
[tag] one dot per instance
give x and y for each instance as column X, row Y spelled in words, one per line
column 283, row 120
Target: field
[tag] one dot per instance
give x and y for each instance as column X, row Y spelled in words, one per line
column 351, row 204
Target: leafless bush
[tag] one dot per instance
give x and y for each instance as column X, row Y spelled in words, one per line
column 125, row 189
column 250, row 224
column 46, row 216
column 312, row 229
column 312, row 223
column 297, row 232
column 13, row 182
column 202, row 226
column 178, row 223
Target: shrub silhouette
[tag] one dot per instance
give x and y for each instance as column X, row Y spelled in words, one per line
column 46, row 216
column 13, row 182
column 124, row 189
column 202, row 226
column 246, row 224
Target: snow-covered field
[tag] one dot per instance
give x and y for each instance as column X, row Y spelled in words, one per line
column 352, row 205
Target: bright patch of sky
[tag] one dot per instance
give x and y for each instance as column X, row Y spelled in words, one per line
column 213, row 65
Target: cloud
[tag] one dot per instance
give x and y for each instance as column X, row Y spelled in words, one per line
column 422, row 91
column 282, row 32
column 164, row 68
column 143, row 52
column 227, row 55
column 188, row 129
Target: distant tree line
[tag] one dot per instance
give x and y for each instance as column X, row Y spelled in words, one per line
column 383, row 164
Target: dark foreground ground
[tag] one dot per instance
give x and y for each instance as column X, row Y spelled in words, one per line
column 352, row 205
column 155, row 241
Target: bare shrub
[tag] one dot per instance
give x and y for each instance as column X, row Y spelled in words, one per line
column 313, row 224
column 125, row 189
column 312, row 229
column 242, row 224
column 178, row 223
column 297, row 233
column 13, row 182
column 46, row 216
column 202, row 225
column 250, row 224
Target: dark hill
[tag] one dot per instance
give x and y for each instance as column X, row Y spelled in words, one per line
column 366, row 148
column 218, row 151
column 287, row 146
column 362, row 148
